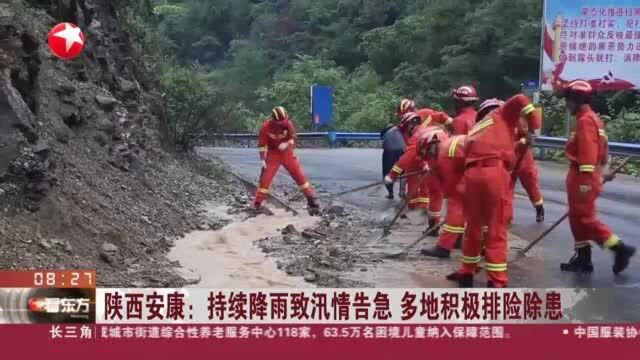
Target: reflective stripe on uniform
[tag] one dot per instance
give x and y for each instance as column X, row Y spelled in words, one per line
column 453, row 229
column 397, row 169
column 426, row 121
column 471, row 259
column 453, row 146
column 495, row 267
column 480, row 126
column 304, row 186
column 612, row 241
column 582, row 244
column 433, row 213
column 528, row 109
column 263, row 190
column 587, row 168
column 485, row 228
column 419, row 200
column 263, row 148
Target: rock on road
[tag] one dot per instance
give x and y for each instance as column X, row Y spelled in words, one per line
column 335, row 170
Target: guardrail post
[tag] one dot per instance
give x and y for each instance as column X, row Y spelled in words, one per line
column 332, row 139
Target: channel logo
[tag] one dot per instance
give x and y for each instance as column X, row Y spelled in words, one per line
column 59, row 305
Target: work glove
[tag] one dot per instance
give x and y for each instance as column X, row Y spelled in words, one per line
column 388, row 180
column 264, row 164
column 283, row 146
column 426, row 168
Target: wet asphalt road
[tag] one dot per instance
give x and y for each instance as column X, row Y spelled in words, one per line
column 334, row 170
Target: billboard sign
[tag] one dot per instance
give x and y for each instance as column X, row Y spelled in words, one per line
column 593, row 40
column 321, row 105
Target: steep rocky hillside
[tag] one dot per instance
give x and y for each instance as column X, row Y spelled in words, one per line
column 84, row 182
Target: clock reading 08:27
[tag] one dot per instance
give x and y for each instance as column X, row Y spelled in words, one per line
column 63, row 279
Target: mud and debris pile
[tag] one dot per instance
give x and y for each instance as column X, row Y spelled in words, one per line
column 84, row 182
column 326, row 253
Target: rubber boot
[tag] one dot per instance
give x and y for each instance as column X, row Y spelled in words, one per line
column 458, row 244
column 540, row 213
column 436, row 252
column 465, row 280
column 454, row 276
column 433, row 228
column 622, row 255
column 389, row 191
column 580, row 262
column 314, row 208
column 257, row 209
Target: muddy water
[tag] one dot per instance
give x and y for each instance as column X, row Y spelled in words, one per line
column 228, row 258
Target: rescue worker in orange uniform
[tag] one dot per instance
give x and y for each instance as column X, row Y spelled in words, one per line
column 429, row 195
column 276, row 141
column 587, row 152
column 445, row 156
column 465, row 98
column 410, row 127
column 527, row 172
column 488, row 200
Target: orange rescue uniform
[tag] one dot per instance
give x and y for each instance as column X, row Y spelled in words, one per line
column 587, row 151
column 488, row 196
column 421, row 193
column 527, row 171
column 448, row 170
column 272, row 134
column 464, row 121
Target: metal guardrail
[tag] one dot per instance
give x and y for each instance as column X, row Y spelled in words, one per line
column 615, row 148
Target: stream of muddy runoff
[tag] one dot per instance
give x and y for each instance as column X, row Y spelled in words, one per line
column 254, row 253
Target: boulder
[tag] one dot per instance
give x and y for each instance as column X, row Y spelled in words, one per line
column 128, row 86
column 41, row 148
column 336, row 210
column 109, row 247
column 62, row 134
column 107, row 103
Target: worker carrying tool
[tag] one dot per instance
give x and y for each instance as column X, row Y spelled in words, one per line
column 445, row 156
column 488, row 199
column 430, row 196
column 587, row 150
column 527, row 171
column 418, row 191
column 276, row 141
column 465, row 97
column 393, row 147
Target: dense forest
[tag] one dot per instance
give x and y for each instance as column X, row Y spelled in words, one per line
column 225, row 63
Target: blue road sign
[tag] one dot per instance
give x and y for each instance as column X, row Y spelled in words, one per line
column 321, row 105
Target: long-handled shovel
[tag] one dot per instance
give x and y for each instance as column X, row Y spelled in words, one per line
column 374, row 184
column 405, row 251
column 522, row 253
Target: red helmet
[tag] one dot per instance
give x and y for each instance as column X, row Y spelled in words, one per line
column 407, row 120
column 279, row 113
column 405, row 106
column 487, row 106
column 428, row 143
column 466, row 93
column 578, row 88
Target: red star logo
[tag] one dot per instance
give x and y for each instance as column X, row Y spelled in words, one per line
column 66, row 41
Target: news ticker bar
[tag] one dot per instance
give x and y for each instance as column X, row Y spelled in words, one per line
column 312, row 306
column 336, row 306
column 314, row 341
